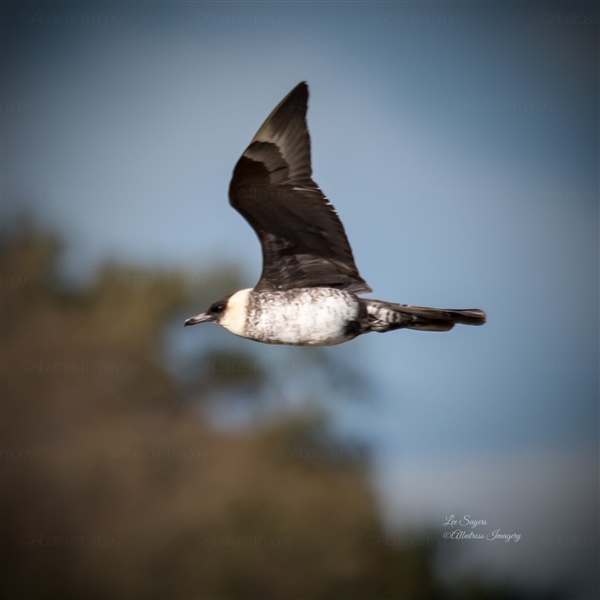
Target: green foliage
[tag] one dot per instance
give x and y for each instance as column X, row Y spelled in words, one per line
column 115, row 485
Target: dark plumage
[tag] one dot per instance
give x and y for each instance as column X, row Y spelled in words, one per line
column 303, row 240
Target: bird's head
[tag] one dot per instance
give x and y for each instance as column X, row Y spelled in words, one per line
column 228, row 312
column 212, row 315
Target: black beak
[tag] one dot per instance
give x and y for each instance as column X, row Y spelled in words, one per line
column 201, row 318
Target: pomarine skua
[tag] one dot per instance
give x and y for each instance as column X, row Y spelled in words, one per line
column 307, row 292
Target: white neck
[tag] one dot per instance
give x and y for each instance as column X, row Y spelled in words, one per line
column 234, row 318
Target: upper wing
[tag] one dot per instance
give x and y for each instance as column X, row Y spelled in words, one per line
column 302, row 238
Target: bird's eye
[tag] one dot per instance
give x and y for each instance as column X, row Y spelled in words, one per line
column 217, row 308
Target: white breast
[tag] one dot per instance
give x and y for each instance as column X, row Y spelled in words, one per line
column 310, row 316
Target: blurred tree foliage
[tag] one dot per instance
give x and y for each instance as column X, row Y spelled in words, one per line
column 114, row 484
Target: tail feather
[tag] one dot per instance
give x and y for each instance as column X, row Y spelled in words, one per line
column 387, row 316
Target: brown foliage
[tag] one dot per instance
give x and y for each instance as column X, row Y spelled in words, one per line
column 116, row 486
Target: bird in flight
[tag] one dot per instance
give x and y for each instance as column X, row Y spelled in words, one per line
column 307, row 294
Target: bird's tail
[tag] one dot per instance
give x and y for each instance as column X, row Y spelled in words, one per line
column 387, row 316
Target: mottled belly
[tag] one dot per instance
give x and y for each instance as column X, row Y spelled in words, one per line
column 304, row 317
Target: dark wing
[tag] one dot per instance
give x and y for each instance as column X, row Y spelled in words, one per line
column 302, row 238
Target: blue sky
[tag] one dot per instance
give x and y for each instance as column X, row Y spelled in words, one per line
column 459, row 144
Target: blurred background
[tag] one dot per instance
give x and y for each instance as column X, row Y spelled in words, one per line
column 459, row 144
